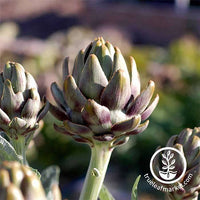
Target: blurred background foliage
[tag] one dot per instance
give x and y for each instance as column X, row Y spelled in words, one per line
column 173, row 65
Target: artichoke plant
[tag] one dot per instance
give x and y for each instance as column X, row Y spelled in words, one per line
column 188, row 142
column 19, row 106
column 101, row 104
column 18, row 182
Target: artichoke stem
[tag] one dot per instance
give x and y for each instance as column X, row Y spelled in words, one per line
column 20, row 148
column 100, row 157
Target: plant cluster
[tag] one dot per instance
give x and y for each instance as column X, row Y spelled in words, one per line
column 101, row 104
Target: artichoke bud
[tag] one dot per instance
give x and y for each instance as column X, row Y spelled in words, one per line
column 188, row 142
column 12, row 193
column 31, row 187
column 101, row 98
column 19, row 182
column 20, row 101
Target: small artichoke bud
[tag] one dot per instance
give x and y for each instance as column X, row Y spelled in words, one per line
column 188, row 141
column 101, row 99
column 20, row 102
column 18, row 182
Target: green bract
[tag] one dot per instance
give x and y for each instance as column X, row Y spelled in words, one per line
column 18, row 182
column 101, row 99
column 20, row 102
column 188, row 142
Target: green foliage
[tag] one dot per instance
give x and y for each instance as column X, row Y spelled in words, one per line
column 49, row 177
column 134, row 189
column 105, row 194
column 7, row 151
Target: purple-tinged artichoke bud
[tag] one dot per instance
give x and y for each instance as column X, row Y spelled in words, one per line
column 18, row 182
column 101, row 98
column 188, row 142
column 20, row 102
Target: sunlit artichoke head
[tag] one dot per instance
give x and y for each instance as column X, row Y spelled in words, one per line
column 188, row 142
column 18, row 182
column 101, row 99
column 20, row 101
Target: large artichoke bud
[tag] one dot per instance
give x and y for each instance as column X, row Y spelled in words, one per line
column 188, row 142
column 101, row 100
column 18, row 182
column 19, row 105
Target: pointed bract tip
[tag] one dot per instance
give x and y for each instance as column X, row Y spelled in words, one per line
column 151, row 84
column 117, row 50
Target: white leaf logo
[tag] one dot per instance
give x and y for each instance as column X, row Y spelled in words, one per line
column 168, row 163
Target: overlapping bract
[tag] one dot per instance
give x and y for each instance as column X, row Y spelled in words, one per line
column 101, row 98
column 20, row 102
column 18, row 182
column 188, row 142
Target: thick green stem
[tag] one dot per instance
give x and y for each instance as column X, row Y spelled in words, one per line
column 100, row 157
column 20, row 148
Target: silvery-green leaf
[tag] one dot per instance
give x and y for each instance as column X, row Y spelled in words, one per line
column 50, row 177
column 7, row 152
column 4, row 135
column 134, row 195
column 105, row 194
